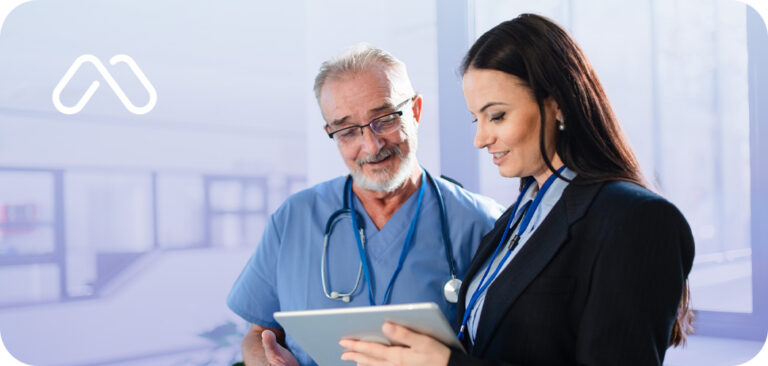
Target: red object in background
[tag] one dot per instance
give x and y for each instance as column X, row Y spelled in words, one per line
column 17, row 219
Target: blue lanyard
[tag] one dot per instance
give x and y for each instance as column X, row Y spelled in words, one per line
column 527, row 214
column 403, row 252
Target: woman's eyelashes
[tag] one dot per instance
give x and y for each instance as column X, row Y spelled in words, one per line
column 493, row 118
column 497, row 116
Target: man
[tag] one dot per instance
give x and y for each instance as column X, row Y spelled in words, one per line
column 372, row 114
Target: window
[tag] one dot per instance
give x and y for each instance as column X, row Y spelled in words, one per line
column 678, row 75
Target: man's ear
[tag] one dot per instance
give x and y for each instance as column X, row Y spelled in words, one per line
column 417, row 103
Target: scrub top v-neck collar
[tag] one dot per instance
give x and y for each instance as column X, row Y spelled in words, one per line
column 390, row 237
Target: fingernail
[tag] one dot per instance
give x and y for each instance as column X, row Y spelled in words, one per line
column 387, row 327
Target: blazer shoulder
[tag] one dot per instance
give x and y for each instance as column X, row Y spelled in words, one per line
column 621, row 201
column 627, row 195
column 631, row 209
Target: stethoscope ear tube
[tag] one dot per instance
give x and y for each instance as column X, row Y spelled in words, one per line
column 334, row 295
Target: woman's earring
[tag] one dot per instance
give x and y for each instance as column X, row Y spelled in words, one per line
column 561, row 125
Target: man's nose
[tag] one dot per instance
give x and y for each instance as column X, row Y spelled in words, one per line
column 371, row 142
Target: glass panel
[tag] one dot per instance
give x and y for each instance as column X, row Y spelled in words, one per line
column 180, row 210
column 227, row 231
column 28, row 283
column 26, row 212
column 680, row 92
column 27, row 240
column 226, row 195
column 255, row 194
column 109, row 212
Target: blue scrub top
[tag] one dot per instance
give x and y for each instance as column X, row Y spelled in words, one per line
column 283, row 274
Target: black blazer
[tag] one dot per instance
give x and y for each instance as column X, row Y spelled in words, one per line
column 598, row 283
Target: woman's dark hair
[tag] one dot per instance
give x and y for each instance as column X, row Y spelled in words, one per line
column 543, row 55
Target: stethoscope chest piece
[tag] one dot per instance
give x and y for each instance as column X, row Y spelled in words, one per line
column 451, row 290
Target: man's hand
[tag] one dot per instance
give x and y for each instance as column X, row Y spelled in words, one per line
column 262, row 347
column 276, row 354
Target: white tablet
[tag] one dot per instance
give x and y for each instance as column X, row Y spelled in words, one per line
column 319, row 331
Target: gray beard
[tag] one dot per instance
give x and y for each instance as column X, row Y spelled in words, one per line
column 392, row 181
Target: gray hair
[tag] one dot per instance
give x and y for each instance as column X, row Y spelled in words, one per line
column 360, row 58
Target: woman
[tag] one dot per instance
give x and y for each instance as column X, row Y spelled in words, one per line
column 588, row 266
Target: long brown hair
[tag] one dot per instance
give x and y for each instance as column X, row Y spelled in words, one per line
column 542, row 54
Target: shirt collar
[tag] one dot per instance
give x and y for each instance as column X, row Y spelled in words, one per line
column 555, row 190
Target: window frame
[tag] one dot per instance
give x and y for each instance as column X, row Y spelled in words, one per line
column 752, row 325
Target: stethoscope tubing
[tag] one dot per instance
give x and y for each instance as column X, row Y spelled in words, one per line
column 333, row 294
column 360, row 235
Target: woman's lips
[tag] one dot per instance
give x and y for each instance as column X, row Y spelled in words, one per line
column 499, row 156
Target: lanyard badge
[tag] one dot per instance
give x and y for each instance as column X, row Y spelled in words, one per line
column 403, row 252
column 521, row 224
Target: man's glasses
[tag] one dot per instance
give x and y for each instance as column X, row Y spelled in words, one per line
column 381, row 125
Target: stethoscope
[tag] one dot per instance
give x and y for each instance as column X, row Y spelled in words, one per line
column 451, row 287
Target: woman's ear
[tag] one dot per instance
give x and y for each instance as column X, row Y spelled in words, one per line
column 553, row 109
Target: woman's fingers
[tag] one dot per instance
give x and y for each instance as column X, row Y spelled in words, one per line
column 402, row 335
column 361, row 359
column 421, row 349
column 418, row 349
column 364, row 353
column 376, row 350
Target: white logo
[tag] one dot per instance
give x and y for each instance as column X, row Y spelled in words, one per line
column 110, row 80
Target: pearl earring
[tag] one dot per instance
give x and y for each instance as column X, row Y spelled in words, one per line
column 561, row 125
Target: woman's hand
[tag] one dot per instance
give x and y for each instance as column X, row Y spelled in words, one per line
column 417, row 349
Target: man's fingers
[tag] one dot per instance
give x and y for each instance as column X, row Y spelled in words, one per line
column 271, row 350
column 268, row 339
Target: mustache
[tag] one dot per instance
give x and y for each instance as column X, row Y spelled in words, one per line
column 381, row 155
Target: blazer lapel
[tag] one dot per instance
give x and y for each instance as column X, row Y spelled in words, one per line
column 532, row 258
column 488, row 244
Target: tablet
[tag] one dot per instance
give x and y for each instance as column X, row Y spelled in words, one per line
column 319, row 331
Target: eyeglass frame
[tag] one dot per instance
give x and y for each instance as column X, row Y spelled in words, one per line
column 398, row 112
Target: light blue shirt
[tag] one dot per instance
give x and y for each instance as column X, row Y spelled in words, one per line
column 551, row 196
column 284, row 272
